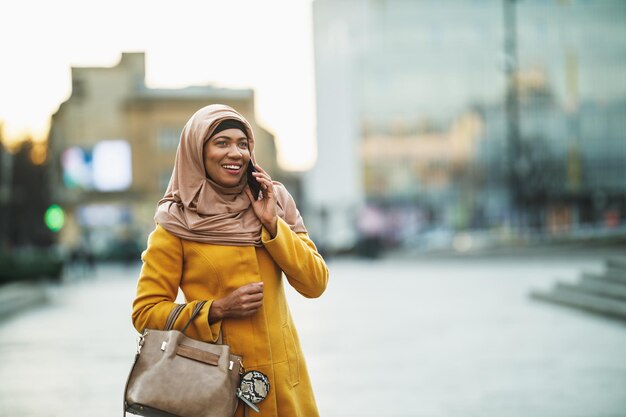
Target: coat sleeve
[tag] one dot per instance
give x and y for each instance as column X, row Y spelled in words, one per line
column 157, row 290
column 297, row 256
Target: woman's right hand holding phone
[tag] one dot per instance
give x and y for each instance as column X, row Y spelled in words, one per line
column 265, row 206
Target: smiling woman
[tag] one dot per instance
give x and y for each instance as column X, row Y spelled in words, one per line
column 228, row 249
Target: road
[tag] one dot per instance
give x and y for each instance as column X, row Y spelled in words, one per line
column 432, row 338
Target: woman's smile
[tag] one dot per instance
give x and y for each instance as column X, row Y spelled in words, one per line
column 233, row 169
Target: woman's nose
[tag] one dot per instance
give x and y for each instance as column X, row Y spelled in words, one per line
column 234, row 151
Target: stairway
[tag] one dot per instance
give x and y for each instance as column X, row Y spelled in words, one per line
column 603, row 293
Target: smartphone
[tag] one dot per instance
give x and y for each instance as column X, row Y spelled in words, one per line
column 255, row 187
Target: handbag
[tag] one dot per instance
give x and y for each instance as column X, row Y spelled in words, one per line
column 176, row 376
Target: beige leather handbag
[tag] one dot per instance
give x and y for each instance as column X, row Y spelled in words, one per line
column 174, row 375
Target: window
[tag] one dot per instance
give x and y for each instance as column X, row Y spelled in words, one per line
column 167, row 138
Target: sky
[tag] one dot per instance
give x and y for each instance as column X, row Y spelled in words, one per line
column 264, row 45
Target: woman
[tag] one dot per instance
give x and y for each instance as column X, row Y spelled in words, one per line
column 219, row 243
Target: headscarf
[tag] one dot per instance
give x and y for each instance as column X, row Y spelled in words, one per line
column 196, row 208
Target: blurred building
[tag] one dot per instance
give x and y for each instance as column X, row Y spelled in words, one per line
column 113, row 143
column 573, row 162
column 406, row 74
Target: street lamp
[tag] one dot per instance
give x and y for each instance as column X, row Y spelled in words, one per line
column 515, row 159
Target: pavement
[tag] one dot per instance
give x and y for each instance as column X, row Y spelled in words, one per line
column 18, row 296
column 404, row 338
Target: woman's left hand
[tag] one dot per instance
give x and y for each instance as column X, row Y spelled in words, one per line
column 265, row 206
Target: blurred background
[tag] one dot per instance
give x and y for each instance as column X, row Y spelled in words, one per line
column 456, row 162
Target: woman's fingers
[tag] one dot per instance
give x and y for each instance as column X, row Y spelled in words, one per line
column 259, row 169
column 262, row 177
column 252, row 288
column 251, row 296
column 265, row 183
column 252, row 307
column 260, row 172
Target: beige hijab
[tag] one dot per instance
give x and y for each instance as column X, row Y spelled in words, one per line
column 196, row 208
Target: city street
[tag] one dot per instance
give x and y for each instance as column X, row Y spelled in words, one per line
column 433, row 338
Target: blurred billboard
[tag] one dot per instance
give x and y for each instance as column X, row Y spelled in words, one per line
column 106, row 167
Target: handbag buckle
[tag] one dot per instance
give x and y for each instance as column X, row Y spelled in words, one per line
column 139, row 343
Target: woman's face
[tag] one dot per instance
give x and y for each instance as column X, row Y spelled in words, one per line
column 226, row 157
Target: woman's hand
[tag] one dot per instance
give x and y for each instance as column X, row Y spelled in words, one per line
column 244, row 301
column 265, row 206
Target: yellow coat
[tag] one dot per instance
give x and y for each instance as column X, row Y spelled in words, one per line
column 267, row 340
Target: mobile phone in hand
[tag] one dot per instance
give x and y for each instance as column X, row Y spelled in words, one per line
column 255, row 187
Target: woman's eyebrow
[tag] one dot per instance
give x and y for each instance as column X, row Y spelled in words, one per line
column 229, row 137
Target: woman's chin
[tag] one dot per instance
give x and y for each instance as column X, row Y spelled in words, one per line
column 228, row 182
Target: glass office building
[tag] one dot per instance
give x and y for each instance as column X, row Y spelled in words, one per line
column 412, row 117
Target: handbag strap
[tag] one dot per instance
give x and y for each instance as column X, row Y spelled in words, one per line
column 171, row 319
column 173, row 316
column 196, row 311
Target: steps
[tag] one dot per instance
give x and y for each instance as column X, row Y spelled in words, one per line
column 600, row 293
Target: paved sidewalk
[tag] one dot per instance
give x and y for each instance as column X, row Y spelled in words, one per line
column 391, row 338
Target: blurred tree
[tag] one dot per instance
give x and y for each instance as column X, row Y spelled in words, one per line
column 25, row 195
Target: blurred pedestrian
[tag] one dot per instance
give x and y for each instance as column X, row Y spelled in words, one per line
column 81, row 258
column 371, row 224
column 216, row 241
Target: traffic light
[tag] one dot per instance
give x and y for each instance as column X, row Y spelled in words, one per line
column 54, row 218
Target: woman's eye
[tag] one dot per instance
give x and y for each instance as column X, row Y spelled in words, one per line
column 243, row 145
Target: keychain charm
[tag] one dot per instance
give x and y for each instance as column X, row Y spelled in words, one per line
column 253, row 388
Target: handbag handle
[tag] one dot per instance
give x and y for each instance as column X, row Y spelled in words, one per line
column 171, row 319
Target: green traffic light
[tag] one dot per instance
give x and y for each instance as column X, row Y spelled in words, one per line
column 54, row 218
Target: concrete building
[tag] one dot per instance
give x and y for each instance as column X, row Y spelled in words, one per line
column 113, row 107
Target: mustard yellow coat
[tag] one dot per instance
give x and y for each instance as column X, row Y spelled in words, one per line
column 267, row 340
